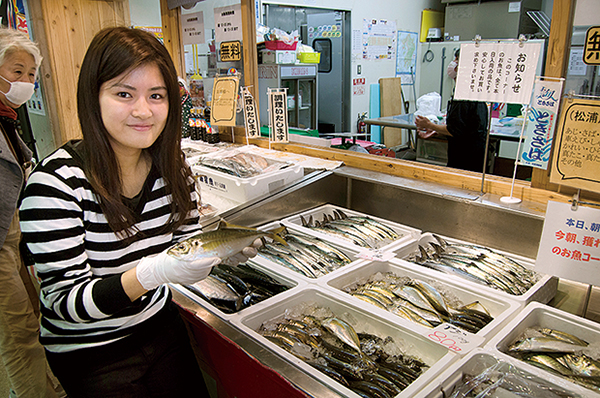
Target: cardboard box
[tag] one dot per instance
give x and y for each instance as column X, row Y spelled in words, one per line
column 278, row 56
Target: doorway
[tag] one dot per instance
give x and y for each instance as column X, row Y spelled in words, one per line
column 328, row 32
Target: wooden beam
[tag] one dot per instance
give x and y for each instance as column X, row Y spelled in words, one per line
column 249, row 49
column 171, row 27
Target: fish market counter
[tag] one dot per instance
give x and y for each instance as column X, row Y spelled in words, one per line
column 253, row 344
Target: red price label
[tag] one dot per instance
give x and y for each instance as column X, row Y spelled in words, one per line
column 440, row 337
column 454, row 338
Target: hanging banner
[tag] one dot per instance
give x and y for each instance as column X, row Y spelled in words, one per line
column 224, row 101
column 278, row 116
column 192, row 28
column 250, row 116
column 540, row 123
column 576, row 158
column 497, row 72
column 570, row 247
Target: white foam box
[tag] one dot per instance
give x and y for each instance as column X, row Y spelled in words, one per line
column 479, row 359
column 437, row 357
column 542, row 291
column 348, row 251
column 282, row 278
column 407, row 234
column 242, row 190
column 500, row 309
column 538, row 314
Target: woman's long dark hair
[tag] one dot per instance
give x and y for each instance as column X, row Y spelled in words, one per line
column 112, row 52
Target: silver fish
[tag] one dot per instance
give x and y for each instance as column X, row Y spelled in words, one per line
column 343, row 331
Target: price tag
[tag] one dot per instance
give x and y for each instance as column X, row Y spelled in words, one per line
column 375, row 255
column 454, row 338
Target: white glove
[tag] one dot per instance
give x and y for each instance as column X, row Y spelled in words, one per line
column 244, row 255
column 153, row 271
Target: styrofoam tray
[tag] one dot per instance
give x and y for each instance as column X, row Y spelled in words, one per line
column 407, row 234
column 349, row 251
column 436, row 356
column 537, row 314
column 478, row 360
column 542, row 291
column 280, row 277
column 242, row 190
column 501, row 309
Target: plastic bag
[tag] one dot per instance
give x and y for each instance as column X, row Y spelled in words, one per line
column 429, row 104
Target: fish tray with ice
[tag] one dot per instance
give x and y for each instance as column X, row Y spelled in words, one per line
column 421, row 301
column 509, row 275
column 554, row 342
column 353, row 229
column 307, row 256
column 497, row 375
column 354, row 352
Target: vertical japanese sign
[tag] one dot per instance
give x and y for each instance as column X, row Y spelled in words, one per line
column 228, row 23
column 192, row 28
column 497, row 72
column 250, row 116
column 540, row 123
column 278, row 116
column 591, row 52
column 570, row 244
column 576, row 158
column 224, row 101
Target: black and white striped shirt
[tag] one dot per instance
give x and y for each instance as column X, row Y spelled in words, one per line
column 79, row 259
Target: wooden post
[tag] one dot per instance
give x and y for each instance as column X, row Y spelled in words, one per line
column 171, row 27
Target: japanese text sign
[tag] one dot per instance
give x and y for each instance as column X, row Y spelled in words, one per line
column 540, row 123
column 228, row 23
column 570, row 244
column 591, row 51
column 192, row 28
column 497, row 72
column 231, row 51
column 454, row 338
column 250, row 116
column 224, row 101
column 278, row 116
column 576, row 159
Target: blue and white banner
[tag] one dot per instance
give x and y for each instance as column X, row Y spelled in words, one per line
column 540, row 123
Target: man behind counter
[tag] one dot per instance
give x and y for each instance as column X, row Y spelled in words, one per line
column 465, row 128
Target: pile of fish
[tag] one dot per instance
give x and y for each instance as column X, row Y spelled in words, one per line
column 561, row 353
column 240, row 164
column 307, row 255
column 370, row 365
column 476, row 263
column 420, row 302
column 361, row 231
column 233, row 288
column 505, row 380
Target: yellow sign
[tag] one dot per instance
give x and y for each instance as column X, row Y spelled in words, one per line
column 224, row 101
column 231, row 51
column 591, row 50
column 576, row 156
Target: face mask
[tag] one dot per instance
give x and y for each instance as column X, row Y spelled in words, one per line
column 451, row 71
column 19, row 92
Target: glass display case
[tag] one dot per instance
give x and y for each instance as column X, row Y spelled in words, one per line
column 301, row 84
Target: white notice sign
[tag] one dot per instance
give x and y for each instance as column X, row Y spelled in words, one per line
column 497, row 72
column 192, row 28
column 570, row 245
column 228, row 23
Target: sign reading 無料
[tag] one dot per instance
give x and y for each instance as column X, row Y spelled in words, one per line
column 576, row 158
column 224, row 101
column 251, row 119
column 192, row 28
column 591, row 51
column 570, row 244
column 231, row 51
column 278, row 116
column 540, row 123
column 497, row 72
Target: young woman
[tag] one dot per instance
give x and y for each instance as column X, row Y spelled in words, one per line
column 97, row 211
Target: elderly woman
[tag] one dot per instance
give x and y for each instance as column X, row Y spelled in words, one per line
column 21, row 352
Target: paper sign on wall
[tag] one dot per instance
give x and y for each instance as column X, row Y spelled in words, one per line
column 278, row 116
column 250, row 116
column 224, row 101
column 192, row 28
column 228, row 23
column 540, row 123
column 497, row 72
column 576, row 159
column 570, row 244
